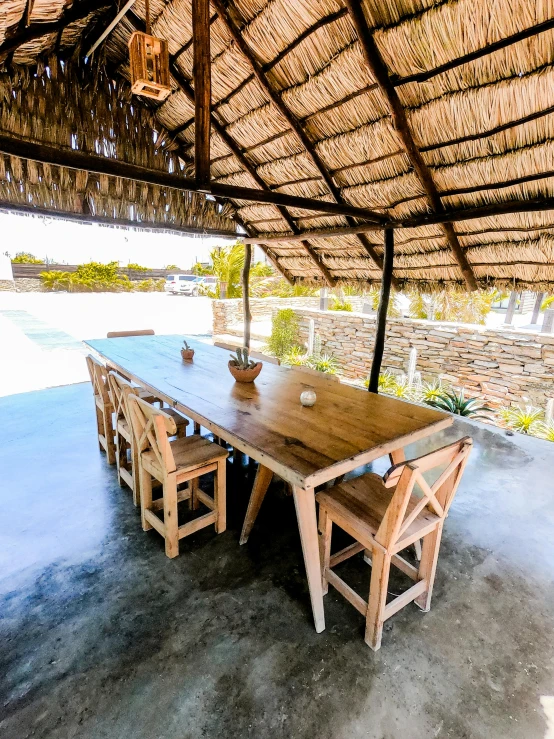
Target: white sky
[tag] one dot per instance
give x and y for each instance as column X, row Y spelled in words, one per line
column 75, row 243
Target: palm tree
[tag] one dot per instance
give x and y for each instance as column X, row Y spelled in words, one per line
column 228, row 262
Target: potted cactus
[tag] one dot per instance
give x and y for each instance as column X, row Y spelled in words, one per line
column 242, row 368
column 187, row 352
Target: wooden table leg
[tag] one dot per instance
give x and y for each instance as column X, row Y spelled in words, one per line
column 259, row 489
column 304, row 501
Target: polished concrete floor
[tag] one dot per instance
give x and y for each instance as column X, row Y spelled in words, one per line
column 102, row 637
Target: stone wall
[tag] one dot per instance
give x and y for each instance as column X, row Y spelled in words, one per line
column 7, row 286
column 228, row 313
column 29, row 285
column 504, row 366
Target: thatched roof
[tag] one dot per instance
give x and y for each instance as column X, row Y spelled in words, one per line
column 297, row 108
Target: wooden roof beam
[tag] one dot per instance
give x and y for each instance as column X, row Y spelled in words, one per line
column 379, row 70
column 75, row 13
column 292, row 121
column 202, row 91
column 74, row 159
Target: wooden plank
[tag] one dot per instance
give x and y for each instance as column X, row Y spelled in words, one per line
column 304, row 502
column 345, row 553
column 202, row 91
column 265, row 419
column 196, row 524
column 351, row 596
column 402, row 600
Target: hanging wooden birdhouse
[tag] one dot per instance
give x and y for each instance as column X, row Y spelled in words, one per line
column 149, row 66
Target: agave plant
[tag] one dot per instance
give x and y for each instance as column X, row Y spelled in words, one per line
column 323, row 363
column 525, row 420
column 387, row 382
column 456, row 403
column 295, row 358
column 432, row 390
column 545, row 430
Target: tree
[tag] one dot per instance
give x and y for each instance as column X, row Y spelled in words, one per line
column 453, row 305
column 24, row 257
column 228, row 262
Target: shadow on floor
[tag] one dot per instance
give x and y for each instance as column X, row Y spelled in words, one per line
column 103, row 637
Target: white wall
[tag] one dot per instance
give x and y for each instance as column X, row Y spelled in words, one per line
column 5, row 268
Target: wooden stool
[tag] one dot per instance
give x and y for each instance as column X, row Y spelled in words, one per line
column 127, row 467
column 173, row 463
column 385, row 516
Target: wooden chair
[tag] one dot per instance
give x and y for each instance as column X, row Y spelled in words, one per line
column 123, row 334
column 125, row 449
column 315, row 373
column 172, row 463
column 385, row 515
column 103, row 406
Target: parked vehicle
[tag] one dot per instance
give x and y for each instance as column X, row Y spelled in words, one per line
column 183, row 285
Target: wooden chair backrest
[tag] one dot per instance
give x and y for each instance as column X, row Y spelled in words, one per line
column 151, row 429
column 316, row 373
column 138, row 332
column 120, row 389
column 437, row 498
column 99, row 378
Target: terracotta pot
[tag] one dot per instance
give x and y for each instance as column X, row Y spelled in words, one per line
column 187, row 354
column 246, row 375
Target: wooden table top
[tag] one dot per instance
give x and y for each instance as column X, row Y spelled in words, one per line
column 345, row 428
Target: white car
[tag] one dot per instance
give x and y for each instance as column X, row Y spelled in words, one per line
column 183, row 285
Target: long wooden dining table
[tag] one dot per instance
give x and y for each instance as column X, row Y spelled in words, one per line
column 306, row 446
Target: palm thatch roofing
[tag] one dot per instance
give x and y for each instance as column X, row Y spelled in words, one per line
column 405, row 107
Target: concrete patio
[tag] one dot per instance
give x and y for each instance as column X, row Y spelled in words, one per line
column 104, row 637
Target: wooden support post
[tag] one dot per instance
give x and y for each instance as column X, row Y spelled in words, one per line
column 202, row 90
column 537, row 308
column 245, row 294
column 381, row 327
column 511, row 307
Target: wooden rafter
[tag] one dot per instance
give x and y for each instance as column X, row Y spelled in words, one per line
column 37, row 30
column 291, row 119
column 75, row 159
column 186, row 87
column 202, row 91
column 379, row 70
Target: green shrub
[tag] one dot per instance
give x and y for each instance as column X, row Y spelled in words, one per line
column 137, row 267
column 23, row 257
column 149, row 286
column 173, row 267
column 453, row 305
column 341, row 305
column 261, row 269
column 547, row 303
column 228, row 262
column 284, row 333
column 96, row 277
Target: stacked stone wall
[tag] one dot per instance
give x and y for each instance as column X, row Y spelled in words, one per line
column 501, row 365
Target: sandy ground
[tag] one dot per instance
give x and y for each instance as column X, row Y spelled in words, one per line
column 41, row 334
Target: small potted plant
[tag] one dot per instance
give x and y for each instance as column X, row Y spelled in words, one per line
column 187, row 352
column 242, row 368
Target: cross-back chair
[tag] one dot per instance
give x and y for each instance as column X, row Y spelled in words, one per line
column 173, row 463
column 127, row 468
column 103, row 406
column 384, row 516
